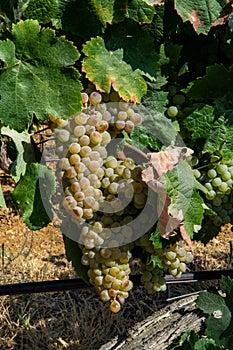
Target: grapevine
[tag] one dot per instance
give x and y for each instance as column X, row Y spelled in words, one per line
column 143, row 137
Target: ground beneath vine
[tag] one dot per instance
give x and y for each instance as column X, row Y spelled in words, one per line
column 72, row 320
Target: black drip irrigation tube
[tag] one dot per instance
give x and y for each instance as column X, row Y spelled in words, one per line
column 77, row 283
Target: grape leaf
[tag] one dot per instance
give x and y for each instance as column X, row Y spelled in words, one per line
column 194, row 214
column 135, row 42
column 36, row 186
column 74, row 254
column 203, row 14
column 211, row 303
column 104, row 9
column 107, row 69
column 2, row 199
column 37, row 78
column 216, row 82
column 156, row 127
column 24, row 149
column 140, row 11
column 179, row 184
column 88, row 23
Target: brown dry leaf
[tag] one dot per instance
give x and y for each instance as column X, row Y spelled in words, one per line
column 186, row 237
column 168, row 223
column 164, row 161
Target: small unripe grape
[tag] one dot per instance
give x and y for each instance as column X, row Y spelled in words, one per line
column 216, row 182
column 221, row 168
column 212, row 173
column 178, row 99
column 172, row 111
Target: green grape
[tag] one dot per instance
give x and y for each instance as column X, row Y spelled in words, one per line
column 172, row 111
column 208, row 186
column 178, row 99
column 216, row 182
column 196, row 173
column 212, row 173
column 221, row 168
column 226, row 176
column 217, row 201
column 223, row 187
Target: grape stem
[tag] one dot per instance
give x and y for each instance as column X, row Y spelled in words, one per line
column 137, row 155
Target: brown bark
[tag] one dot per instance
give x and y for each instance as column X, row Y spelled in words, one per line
column 160, row 329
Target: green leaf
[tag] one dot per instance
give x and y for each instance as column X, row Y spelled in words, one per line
column 211, row 303
column 140, row 11
column 24, row 149
column 206, row 344
column 2, row 199
column 34, row 188
column 156, row 100
column 155, row 260
column 203, row 14
column 223, row 106
column 179, row 184
column 156, row 238
column 88, row 24
column 104, row 9
column 200, row 122
column 74, row 254
column 226, row 285
column 107, row 69
column 37, row 78
column 194, row 215
column 216, row 82
column 135, row 42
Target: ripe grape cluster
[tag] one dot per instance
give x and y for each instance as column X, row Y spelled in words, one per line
column 175, row 258
column 103, row 195
column 101, row 192
column 218, row 180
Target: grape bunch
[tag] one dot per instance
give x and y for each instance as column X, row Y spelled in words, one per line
column 102, row 194
column 109, row 273
column 105, row 197
column 152, row 278
column 218, row 181
column 175, row 258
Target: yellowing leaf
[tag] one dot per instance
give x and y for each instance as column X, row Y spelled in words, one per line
column 107, row 69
